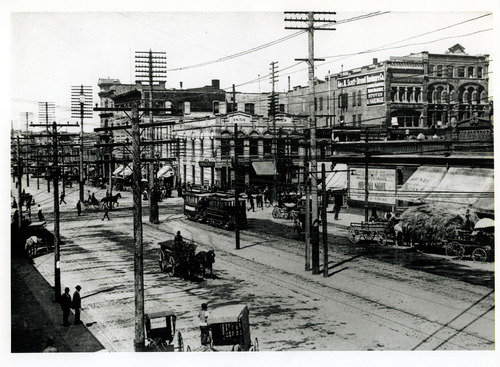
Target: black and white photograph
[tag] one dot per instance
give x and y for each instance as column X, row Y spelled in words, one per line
column 306, row 182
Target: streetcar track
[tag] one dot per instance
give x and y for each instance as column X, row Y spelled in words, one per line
column 375, row 304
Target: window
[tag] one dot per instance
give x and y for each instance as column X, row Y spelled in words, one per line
column 282, row 107
column 321, row 103
column 216, row 106
column 254, row 147
column 449, row 71
column 479, row 72
column 238, row 146
column 359, row 98
column 461, row 72
column 294, row 147
column 250, row 108
column 353, row 120
column 470, row 71
column 225, row 147
column 359, row 119
column 439, row 71
column 267, row 146
column 354, row 99
column 343, row 100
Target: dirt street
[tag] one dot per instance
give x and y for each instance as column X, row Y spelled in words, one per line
column 385, row 299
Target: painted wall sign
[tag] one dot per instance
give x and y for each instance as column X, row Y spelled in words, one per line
column 381, row 185
column 375, row 95
column 362, row 79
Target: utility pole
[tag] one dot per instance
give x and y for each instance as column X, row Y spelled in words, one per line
column 54, row 174
column 151, row 68
column 19, row 182
column 81, row 107
column 310, row 28
column 324, row 202
column 367, row 157
column 236, row 190
column 46, row 113
column 273, row 106
column 138, row 246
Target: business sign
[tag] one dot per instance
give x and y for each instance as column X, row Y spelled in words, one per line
column 381, row 185
column 361, row 80
column 375, row 95
column 240, row 119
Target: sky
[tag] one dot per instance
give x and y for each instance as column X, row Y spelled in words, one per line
column 55, row 48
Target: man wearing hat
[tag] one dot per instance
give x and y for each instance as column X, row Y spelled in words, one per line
column 77, row 303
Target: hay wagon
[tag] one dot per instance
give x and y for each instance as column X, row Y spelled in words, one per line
column 378, row 231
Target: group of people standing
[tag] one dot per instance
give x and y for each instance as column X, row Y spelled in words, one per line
column 67, row 304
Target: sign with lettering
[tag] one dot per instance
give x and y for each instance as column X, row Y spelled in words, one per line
column 375, row 95
column 381, row 185
column 240, row 119
column 362, row 79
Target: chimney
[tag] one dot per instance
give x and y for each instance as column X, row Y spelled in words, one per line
column 375, row 61
column 289, row 83
column 215, row 83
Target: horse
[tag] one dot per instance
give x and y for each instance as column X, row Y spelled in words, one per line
column 111, row 199
column 206, row 259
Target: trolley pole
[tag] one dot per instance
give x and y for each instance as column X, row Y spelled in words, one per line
column 138, row 246
column 236, row 191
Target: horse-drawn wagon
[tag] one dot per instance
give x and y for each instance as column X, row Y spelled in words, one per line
column 180, row 258
column 378, row 230
column 229, row 326
column 161, row 334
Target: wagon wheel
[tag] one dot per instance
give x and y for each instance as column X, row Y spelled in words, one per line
column 479, row 255
column 180, row 342
column 354, row 235
column 455, row 249
column 368, row 235
column 161, row 260
column 382, row 238
column 170, row 266
column 256, row 345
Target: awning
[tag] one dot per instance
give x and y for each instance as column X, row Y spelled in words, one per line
column 118, row 170
column 264, row 168
column 337, row 180
column 466, row 186
column 423, row 181
column 165, row 171
column 127, row 171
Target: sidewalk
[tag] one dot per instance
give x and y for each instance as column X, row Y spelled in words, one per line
column 36, row 316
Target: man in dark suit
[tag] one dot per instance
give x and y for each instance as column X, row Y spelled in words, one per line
column 77, row 304
column 66, row 305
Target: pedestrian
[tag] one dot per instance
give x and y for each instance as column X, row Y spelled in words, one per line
column 77, row 304
column 179, row 191
column 203, row 322
column 178, row 237
column 337, row 206
column 50, row 346
column 66, row 306
column 106, row 211
column 89, row 198
column 259, row 199
column 61, row 197
column 79, row 207
column 250, row 197
column 40, row 214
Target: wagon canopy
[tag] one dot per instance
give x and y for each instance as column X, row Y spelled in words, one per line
column 230, row 313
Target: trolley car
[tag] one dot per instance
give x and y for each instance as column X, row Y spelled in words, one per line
column 217, row 209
